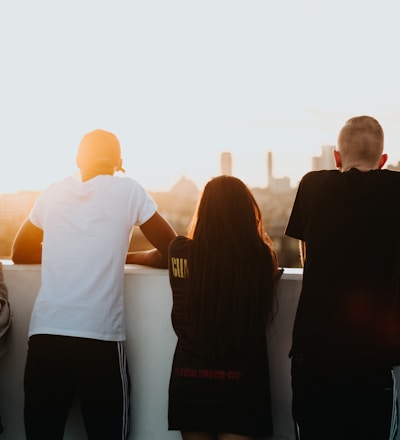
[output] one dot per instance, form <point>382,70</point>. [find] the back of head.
<point>227,214</point>
<point>99,152</point>
<point>361,140</point>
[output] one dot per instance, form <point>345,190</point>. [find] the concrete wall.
<point>150,345</point>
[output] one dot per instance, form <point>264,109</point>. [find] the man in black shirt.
<point>346,336</point>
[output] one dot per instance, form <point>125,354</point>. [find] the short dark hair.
<point>361,137</point>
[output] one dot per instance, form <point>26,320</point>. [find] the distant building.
<point>326,161</point>
<point>276,185</point>
<point>16,205</point>
<point>14,208</point>
<point>269,169</point>
<point>394,167</point>
<point>185,188</point>
<point>178,205</point>
<point>280,185</point>
<point>226,164</point>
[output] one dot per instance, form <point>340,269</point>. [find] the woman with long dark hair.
<point>223,278</point>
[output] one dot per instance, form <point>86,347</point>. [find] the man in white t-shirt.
<point>79,230</point>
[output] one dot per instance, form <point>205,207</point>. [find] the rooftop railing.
<point>150,346</point>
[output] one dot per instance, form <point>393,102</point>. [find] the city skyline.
<point>323,160</point>
<point>225,165</point>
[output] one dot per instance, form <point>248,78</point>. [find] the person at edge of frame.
<point>346,334</point>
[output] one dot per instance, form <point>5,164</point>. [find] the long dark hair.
<point>232,268</point>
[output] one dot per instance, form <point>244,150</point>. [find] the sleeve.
<point>147,206</point>
<point>296,225</point>
<point>35,215</point>
<point>178,278</point>
<point>178,262</point>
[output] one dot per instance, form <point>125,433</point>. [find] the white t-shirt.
<point>86,232</point>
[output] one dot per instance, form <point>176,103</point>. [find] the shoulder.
<point>320,176</point>
<point>128,182</point>
<point>388,181</point>
<point>179,244</point>
<point>60,184</point>
<point>390,174</point>
<point>317,180</point>
<point>130,187</point>
<point>180,241</point>
<point>54,191</point>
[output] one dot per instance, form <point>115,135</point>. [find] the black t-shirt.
<point>350,300</point>
<point>231,394</point>
<point>246,373</point>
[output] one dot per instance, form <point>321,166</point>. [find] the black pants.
<point>342,401</point>
<point>60,369</point>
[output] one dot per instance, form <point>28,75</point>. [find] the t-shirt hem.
<point>77,334</point>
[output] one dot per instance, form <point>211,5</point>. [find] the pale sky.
<point>181,81</point>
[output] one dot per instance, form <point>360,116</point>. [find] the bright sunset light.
<point>180,81</point>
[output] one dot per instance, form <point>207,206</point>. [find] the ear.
<point>382,161</point>
<point>119,167</point>
<point>338,159</point>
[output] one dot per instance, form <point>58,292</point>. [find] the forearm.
<point>34,256</point>
<point>152,257</point>
<point>27,245</point>
<point>302,250</point>
<point>22,253</point>
<point>159,233</point>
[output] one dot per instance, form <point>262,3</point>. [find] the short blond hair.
<point>361,139</point>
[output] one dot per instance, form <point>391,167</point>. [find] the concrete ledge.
<point>150,345</point>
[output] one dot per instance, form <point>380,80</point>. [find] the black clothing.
<point>333,401</point>
<point>59,369</point>
<point>230,394</point>
<point>350,300</point>
<point>346,335</point>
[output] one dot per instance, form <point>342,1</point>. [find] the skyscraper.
<point>326,160</point>
<point>226,163</point>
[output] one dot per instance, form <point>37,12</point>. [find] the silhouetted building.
<point>326,161</point>
<point>226,164</point>
<point>14,208</point>
<point>185,188</point>
<point>269,169</point>
<point>394,167</point>
<point>276,185</point>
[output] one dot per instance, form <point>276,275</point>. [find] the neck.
<point>364,169</point>
<point>87,175</point>
<point>358,165</point>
